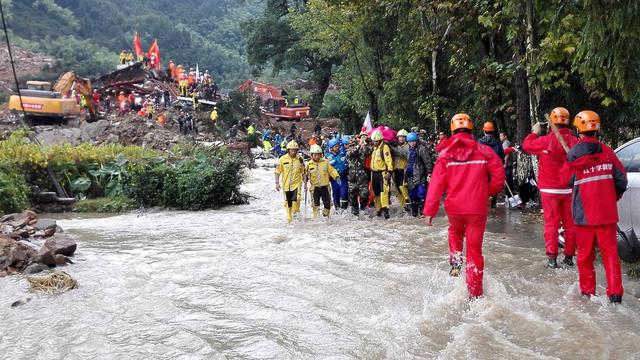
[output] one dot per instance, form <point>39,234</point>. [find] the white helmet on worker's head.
<point>315,149</point>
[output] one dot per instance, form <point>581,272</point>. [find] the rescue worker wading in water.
<point>555,195</point>
<point>400,156</point>
<point>599,180</point>
<point>291,168</point>
<point>381,170</point>
<point>319,173</point>
<point>469,173</point>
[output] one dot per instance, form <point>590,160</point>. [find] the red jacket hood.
<point>460,147</point>
<point>587,153</point>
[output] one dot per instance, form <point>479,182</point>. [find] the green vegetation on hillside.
<point>87,35</point>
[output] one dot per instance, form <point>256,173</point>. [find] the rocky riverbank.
<point>29,244</point>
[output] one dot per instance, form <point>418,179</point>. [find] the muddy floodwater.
<point>239,283</point>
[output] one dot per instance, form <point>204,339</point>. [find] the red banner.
<point>137,48</point>
<point>154,55</point>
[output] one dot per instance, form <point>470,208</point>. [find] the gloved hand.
<point>387,176</point>
<point>338,181</point>
<point>536,128</point>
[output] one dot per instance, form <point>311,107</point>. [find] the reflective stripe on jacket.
<point>599,180</point>
<point>552,158</point>
<point>469,173</point>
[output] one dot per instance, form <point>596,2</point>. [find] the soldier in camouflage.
<point>358,174</point>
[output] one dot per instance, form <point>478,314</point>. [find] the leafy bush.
<point>207,179</point>
<point>13,191</point>
<point>116,204</point>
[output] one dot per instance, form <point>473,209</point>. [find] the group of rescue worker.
<point>189,82</point>
<point>580,180</point>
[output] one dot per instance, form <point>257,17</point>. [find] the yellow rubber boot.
<point>376,201</point>
<point>404,198</point>
<point>289,212</point>
<point>325,212</point>
<point>316,211</point>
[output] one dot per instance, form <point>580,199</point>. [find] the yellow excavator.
<point>41,101</point>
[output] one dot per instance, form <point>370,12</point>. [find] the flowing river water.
<point>240,283</point>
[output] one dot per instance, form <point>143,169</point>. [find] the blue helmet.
<point>412,136</point>
<point>345,139</point>
<point>333,143</point>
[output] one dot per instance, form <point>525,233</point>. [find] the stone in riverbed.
<point>45,256</point>
<point>61,245</point>
<point>35,268</point>
<point>44,224</point>
<point>62,260</point>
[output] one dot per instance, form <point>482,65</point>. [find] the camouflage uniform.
<point>358,177</point>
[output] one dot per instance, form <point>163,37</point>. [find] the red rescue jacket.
<point>552,157</point>
<point>469,173</point>
<point>598,179</point>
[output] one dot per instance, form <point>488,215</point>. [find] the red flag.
<point>366,126</point>
<point>154,55</point>
<point>137,48</point>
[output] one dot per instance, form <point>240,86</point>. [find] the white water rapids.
<point>241,283</point>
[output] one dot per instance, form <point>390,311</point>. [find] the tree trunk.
<point>322,78</point>
<point>523,115</point>
<point>532,43</point>
<point>434,87</point>
<point>373,106</point>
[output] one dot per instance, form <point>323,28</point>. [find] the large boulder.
<point>47,226</point>
<point>61,245</point>
<point>45,256</point>
<point>90,131</point>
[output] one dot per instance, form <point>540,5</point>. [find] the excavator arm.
<point>69,81</point>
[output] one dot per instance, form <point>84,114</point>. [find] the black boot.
<point>385,212</point>
<point>355,210</point>
<point>552,263</point>
<point>615,299</point>
<point>414,208</point>
<point>363,203</point>
<point>379,213</point>
<point>568,260</point>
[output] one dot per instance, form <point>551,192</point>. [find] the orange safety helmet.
<point>461,121</point>
<point>559,116</point>
<point>488,127</point>
<point>587,121</point>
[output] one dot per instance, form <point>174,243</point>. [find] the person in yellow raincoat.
<point>381,170</point>
<point>319,172</point>
<point>400,155</point>
<point>214,116</point>
<point>291,169</point>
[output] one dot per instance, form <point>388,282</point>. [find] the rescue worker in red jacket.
<point>555,195</point>
<point>469,173</point>
<point>599,180</point>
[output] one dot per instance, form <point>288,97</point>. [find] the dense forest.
<point>87,35</point>
<point>405,61</point>
<point>418,62</point>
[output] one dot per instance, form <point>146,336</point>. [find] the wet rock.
<point>35,268</point>
<point>61,260</point>
<point>45,256</point>
<point>7,217</point>
<point>20,302</point>
<point>44,224</point>
<point>61,245</point>
<point>6,241</point>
